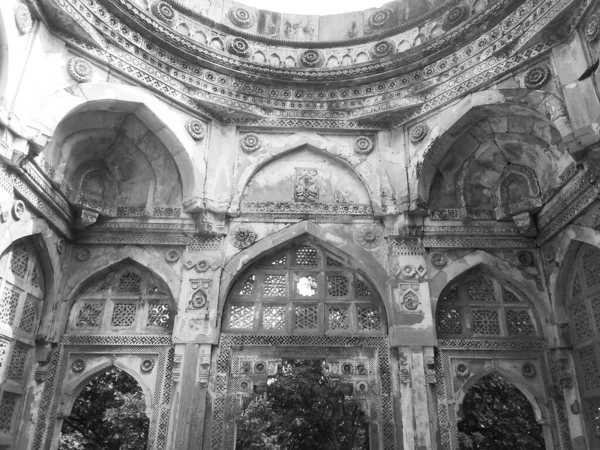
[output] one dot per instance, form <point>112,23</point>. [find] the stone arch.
<point>354,255</point>
<point>315,143</point>
<point>165,122</point>
<point>450,127</point>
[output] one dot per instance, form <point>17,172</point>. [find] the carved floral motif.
<point>410,301</point>
<point>418,133</point>
<point>163,12</point>
<point>172,255</point>
<point>242,237</point>
<point>241,17</point>
<point>250,142</point>
<point>439,260</point>
<point>306,187</point>
<point>370,236</point>
<point>78,365</point>
<point>528,370</point>
<point>311,58</point>
<point>147,365</point>
<point>80,69</point>
<point>525,259</point>
<point>455,16</point>
<point>536,77</point>
<point>463,370</point>
<point>23,18</point>
<point>363,145</point>
<point>239,47</point>
<point>380,18</point>
<point>382,49</point>
<point>198,300</point>
<point>195,128</point>
<point>592,28</point>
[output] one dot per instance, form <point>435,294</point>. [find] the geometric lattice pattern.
<point>518,322</point>
<point>337,286</point>
<point>248,287</point>
<point>306,256</point>
<point>124,314</point>
<point>89,315</point>
<point>338,318</point>
<point>306,318</point>
<point>580,321</point>
<point>8,305</point>
<point>280,260</point>
<point>34,278</point>
<point>593,412</point>
<point>480,288</point>
<point>273,317</point>
<point>451,295</point>
<point>130,283</point>
<point>158,315</point>
<point>591,266</point>
<point>369,318</point>
<point>7,409</point>
<point>448,321</point>
<point>333,263</point>
<point>509,297</point>
<point>241,316</point>
<point>595,303</point>
<point>17,363</point>
<point>18,261</point>
<point>485,322</point>
<point>576,286</point>
<point>362,289</point>
<point>275,285</point>
<point>589,366</point>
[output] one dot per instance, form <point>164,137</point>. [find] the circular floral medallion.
<point>78,365</point>
<point>18,209</point>
<point>242,237</point>
<point>410,301</point>
<point>537,76</point>
<point>195,128</point>
<point>525,259</point>
<point>463,370</point>
<point>173,255</point>
<point>363,145</point>
<point>439,259</point>
<point>362,387</point>
<point>80,69</point>
<point>361,369</point>
<point>418,133</point>
<point>163,12</point>
<point>455,16</point>
<point>347,369</point>
<point>408,271</point>
<point>250,142</point>
<point>370,236</point>
<point>83,254</point>
<point>311,58</point>
<point>147,365</point>
<point>260,367</point>
<point>198,300</point>
<point>202,265</point>
<point>382,49</point>
<point>61,246</point>
<point>380,18</point>
<point>23,18</point>
<point>246,385</point>
<point>528,370</point>
<point>241,17</point>
<point>592,28</point>
<point>238,47</point>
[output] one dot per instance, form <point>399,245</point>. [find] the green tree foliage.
<point>303,408</point>
<point>108,414</point>
<point>497,416</point>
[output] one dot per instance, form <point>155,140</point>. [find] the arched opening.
<point>496,415</point>
<point>108,414</point>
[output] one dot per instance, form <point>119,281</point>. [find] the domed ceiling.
<point>369,69</point>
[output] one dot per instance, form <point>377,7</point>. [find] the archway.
<point>496,415</point>
<point>108,414</point>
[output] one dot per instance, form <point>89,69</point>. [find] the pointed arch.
<point>344,156</point>
<point>353,255</point>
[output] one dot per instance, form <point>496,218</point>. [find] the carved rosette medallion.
<point>23,18</point>
<point>78,365</point>
<point>311,59</point>
<point>455,16</point>
<point>198,300</point>
<point>147,365</point>
<point>163,12</point>
<point>536,77</point>
<point>439,260</point>
<point>418,133</point>
<point>241,17</point>
<point>202,265</point>
<point>410,301</point>
<point>363,145</point>
<point>250,142</point>
<point>592,28</point>
<point>238,47</point>
<point>362,388</point>
<point>463,370</point>
<point>382,49</point>
<point>380,18</point>
<point>525,259</point>
<point>195,128</point>
<point>370,236</point>
<point>18,209</point>
<point>80,69</point>
<point>528,370</point>
<point>83,254</point>
<point>173,255</point>
<point>242,237</point>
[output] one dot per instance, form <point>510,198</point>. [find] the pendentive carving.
<point>250,142</point>
<point>592,28</point>
<point>536,77</point>
<point>241,17</point>
<point>382,49</point>
<point>238,47</point>
<point>439,260</point>
<point>78,365</point>
<point>306,188</point>
<point>380,18</point>
<point>147,365</point>
<point>243,236</point>
<point>80,69</point>
<point>163,12</point>
<point>418,133</point>
<point>311,59</point>
<point>23,18</point>
<point>363,145</point>
<point>195,128</point>
<point>463,370</point>
<point>370,236</point>
<point>528,370</point>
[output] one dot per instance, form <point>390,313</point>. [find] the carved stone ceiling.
<point>217,70</point>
